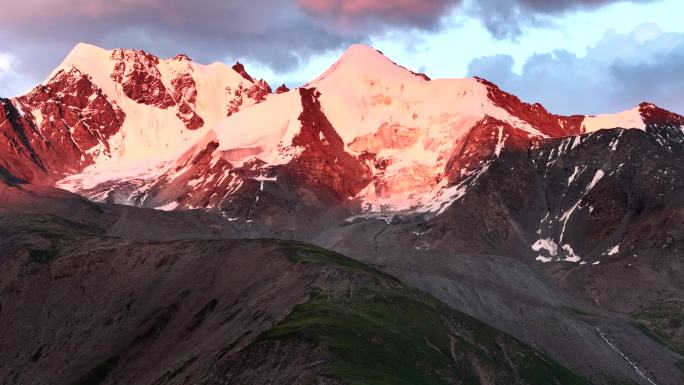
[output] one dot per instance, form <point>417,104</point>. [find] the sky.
<point>573,56</point>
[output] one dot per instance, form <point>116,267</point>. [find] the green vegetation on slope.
<point>45,235</point>
<point>305,252</point>
<point>43,255</point>
<point>663,323</point>
<point>386,333</point>
<point>50,226</point>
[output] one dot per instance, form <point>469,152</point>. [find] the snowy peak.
<point>640,117</point>
<point>176,83</point>
<point>409,128</point>
<point>123,112</point>
<point>85,57</point>
<point>360,63</point>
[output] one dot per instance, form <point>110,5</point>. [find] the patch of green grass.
<point>43,256</point>
<point>304,252</point>
<point>400,336</point>
<point>49,226</point>
<point>370,344</point>
<point>54,227</point>
<point>581,312</point>
<point>664,323</point>
<point>45,235</point>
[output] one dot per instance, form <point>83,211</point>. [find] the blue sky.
<point>573,56</point>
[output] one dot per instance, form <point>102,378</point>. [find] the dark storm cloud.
<point>618,73</point>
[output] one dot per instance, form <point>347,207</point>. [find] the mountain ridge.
<point>168,108</point>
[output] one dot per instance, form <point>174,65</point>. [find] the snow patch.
<point>597,177</point>
<point>546,244</point>
<point>575,141</point>
<point>500,142</point>
<point>614,142</point>
<point>573,176</point>
<point>168,207</point>
<point>551,248</point>
<point>570,254</point>
<point>38,117</point>
<point>626,119</point>
<point>566,216</point>
<point>97,174</point>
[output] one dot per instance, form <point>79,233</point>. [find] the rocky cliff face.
<point>58,128</point>
<point>137,73</point>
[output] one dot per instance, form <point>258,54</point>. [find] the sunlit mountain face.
<point>365,221</point>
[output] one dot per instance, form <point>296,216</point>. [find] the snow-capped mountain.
<point>128,127</point>
<point>118,113</point>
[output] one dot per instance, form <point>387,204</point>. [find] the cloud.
<point>274,32</point>
<point>279,34</point>
<point>6,61</point>
<point>617,73</point>
<point>375,14</point>
<point>505,19</point>
<point>10,79</point>
<point>659,81</point>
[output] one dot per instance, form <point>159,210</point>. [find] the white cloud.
<point>12,82</point>
<point>646,32</point>
<point>6,61</point>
